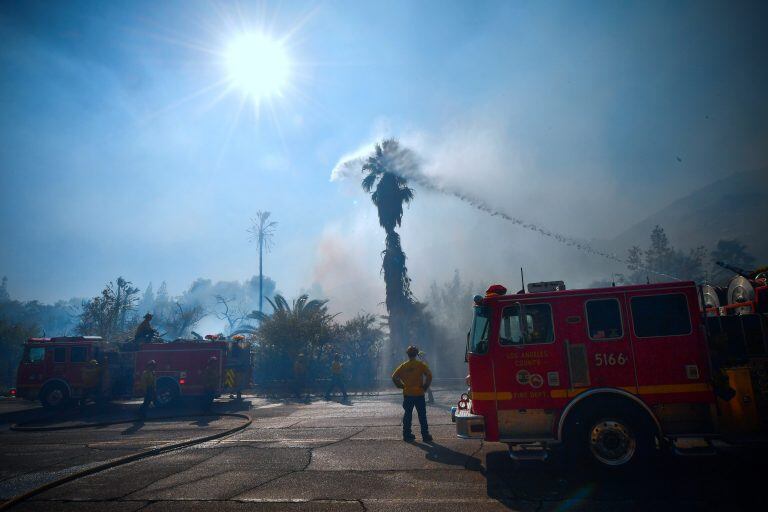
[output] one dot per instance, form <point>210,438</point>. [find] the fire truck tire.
<point>54,395</point>
<point>612,436</point>
<point>167,393</point>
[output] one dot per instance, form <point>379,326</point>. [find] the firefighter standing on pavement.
<point>148,385</point>
<point>91,377</point>
<point>211,381</point>
<point>414,378</point>
<point>337,378</point>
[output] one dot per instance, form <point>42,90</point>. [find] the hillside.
<point>734,207</point>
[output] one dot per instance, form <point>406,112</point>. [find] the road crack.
<point>309,462</point>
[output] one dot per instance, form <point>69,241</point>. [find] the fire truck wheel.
<point>54,396</point>
<point>617,440</point>
<point>167,393</point>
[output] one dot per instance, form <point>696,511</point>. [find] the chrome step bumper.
<point>468,425</point>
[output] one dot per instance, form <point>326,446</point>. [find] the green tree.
<point>359,342</point>
<point>110,315</point>
<point>450,304</point>
<point>302,327</point>
<point>389,193</point>
<point>178,319</point>
<point>662,262</point>
<point>4,295</point>
<point>175,317</point>
<point>12,338</point>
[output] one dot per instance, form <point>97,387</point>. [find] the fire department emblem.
<point>523,376</point>
<point>536,381</point>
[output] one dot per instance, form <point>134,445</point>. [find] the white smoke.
<point>440,166</point>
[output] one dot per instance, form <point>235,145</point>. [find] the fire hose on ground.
<point>123,460</point>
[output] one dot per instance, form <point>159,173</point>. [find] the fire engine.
<point>612,374</point>
<point>55,370</point>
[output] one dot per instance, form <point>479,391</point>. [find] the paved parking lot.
<point>333,456</point>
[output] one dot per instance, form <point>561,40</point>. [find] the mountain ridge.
<point>733,207</point>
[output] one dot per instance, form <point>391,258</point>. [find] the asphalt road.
<point>333,456</point>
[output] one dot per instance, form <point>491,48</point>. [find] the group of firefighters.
<point>413,376</point>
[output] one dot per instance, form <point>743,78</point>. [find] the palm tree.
<point>262,231</point>
<point>302,311</point>
<point>389,192</point>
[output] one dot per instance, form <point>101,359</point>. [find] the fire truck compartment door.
<point>603,334</point>
<point>670,349</point>
<point>526,424</point>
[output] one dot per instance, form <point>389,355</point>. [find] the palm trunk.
<point>261,274</point>
<point>398,299</point>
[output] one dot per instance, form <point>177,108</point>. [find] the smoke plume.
<point>409,165</point>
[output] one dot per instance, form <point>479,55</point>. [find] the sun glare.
<point>258,65</point>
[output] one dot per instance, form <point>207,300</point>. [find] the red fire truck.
<point>55,370</point>
<point>611,374</point>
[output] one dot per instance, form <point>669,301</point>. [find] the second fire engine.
<point>58,370</point>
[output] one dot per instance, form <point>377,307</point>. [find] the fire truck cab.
<point>608,373</point>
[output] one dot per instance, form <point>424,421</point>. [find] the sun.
<point>258,65</point>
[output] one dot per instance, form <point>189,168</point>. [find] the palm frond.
<point>282,304</point>
<point>274,306</point>
<point>299,304</point>
<point>406,195</point>
<point>369,181</point>
<point>315,304</point>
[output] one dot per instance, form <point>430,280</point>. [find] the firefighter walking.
<point>148,385</point>
<point>337,378</point>
<point>414,378</point>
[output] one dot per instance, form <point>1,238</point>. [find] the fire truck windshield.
<point>480,324</point>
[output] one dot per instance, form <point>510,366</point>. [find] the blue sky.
<point>611,108</point>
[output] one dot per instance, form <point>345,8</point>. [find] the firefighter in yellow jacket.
<point>148,386</point>
<point>91,376</point>
<point>337,378</point>
<point>414,378</point>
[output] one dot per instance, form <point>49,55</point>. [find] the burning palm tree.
<point>389,192</point>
